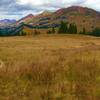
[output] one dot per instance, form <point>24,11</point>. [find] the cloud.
<point>94,4</point>
<point>48,4</point>
<point>20,8</point>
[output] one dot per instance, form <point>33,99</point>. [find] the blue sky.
<point>15,9</point>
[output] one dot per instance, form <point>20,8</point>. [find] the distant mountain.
<point>26,19</point>
<point>31,19</point>
<point>37,19</point>
<point>43,14</point>
<point>83,17</point>
<point>78,10</point>
<point>6,22</point>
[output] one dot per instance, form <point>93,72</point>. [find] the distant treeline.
<point>66,28</point>
<point>63,28</point>
<point>11,31</point>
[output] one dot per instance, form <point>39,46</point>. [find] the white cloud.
<point>33,2</point>
<point>21,8</point>
<point>95,4</point>
<point>48,4</point>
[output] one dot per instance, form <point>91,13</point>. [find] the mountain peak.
<point>44,13</point>
<point>5,22</point>
<point>29,15</point>
<point>78,10</point>
<point>73,14</point>
<point>26,18</point>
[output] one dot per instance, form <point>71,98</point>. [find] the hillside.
<point>26,19</point>
<point>82,17</point>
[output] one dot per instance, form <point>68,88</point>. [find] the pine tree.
<point>72,28</point>
<point>84,31</point>
<point>75,28</point>
<point>63,27</point>
<point>53,30</point>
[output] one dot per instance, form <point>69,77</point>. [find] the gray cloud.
<point>13,8</point>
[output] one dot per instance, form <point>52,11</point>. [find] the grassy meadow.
<point>50,67</point>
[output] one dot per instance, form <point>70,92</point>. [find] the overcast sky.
<point>15,9</point>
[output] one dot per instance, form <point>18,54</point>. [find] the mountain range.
<point>83,17</point>
<point>5,22</point>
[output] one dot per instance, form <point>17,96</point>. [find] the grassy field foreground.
<point>55,67</point>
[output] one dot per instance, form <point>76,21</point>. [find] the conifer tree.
<point>72,28</point>
<point>63,27</point>
<point>84,31</point>
<point>75,28</point>
<point>53,30</point>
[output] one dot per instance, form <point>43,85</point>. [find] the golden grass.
<point>50,67</point>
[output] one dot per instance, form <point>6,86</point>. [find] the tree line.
<point>66,28</point>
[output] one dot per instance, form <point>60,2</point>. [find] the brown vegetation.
<point>55,67</point>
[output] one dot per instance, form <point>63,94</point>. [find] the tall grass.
<point>45,72</point>
<point>72,77</point>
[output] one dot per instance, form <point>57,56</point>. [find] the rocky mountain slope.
<point>83,17</point>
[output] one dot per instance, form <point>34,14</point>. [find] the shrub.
<point>36,32</point>
<point>49,32</point>
<point>96,32</point>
